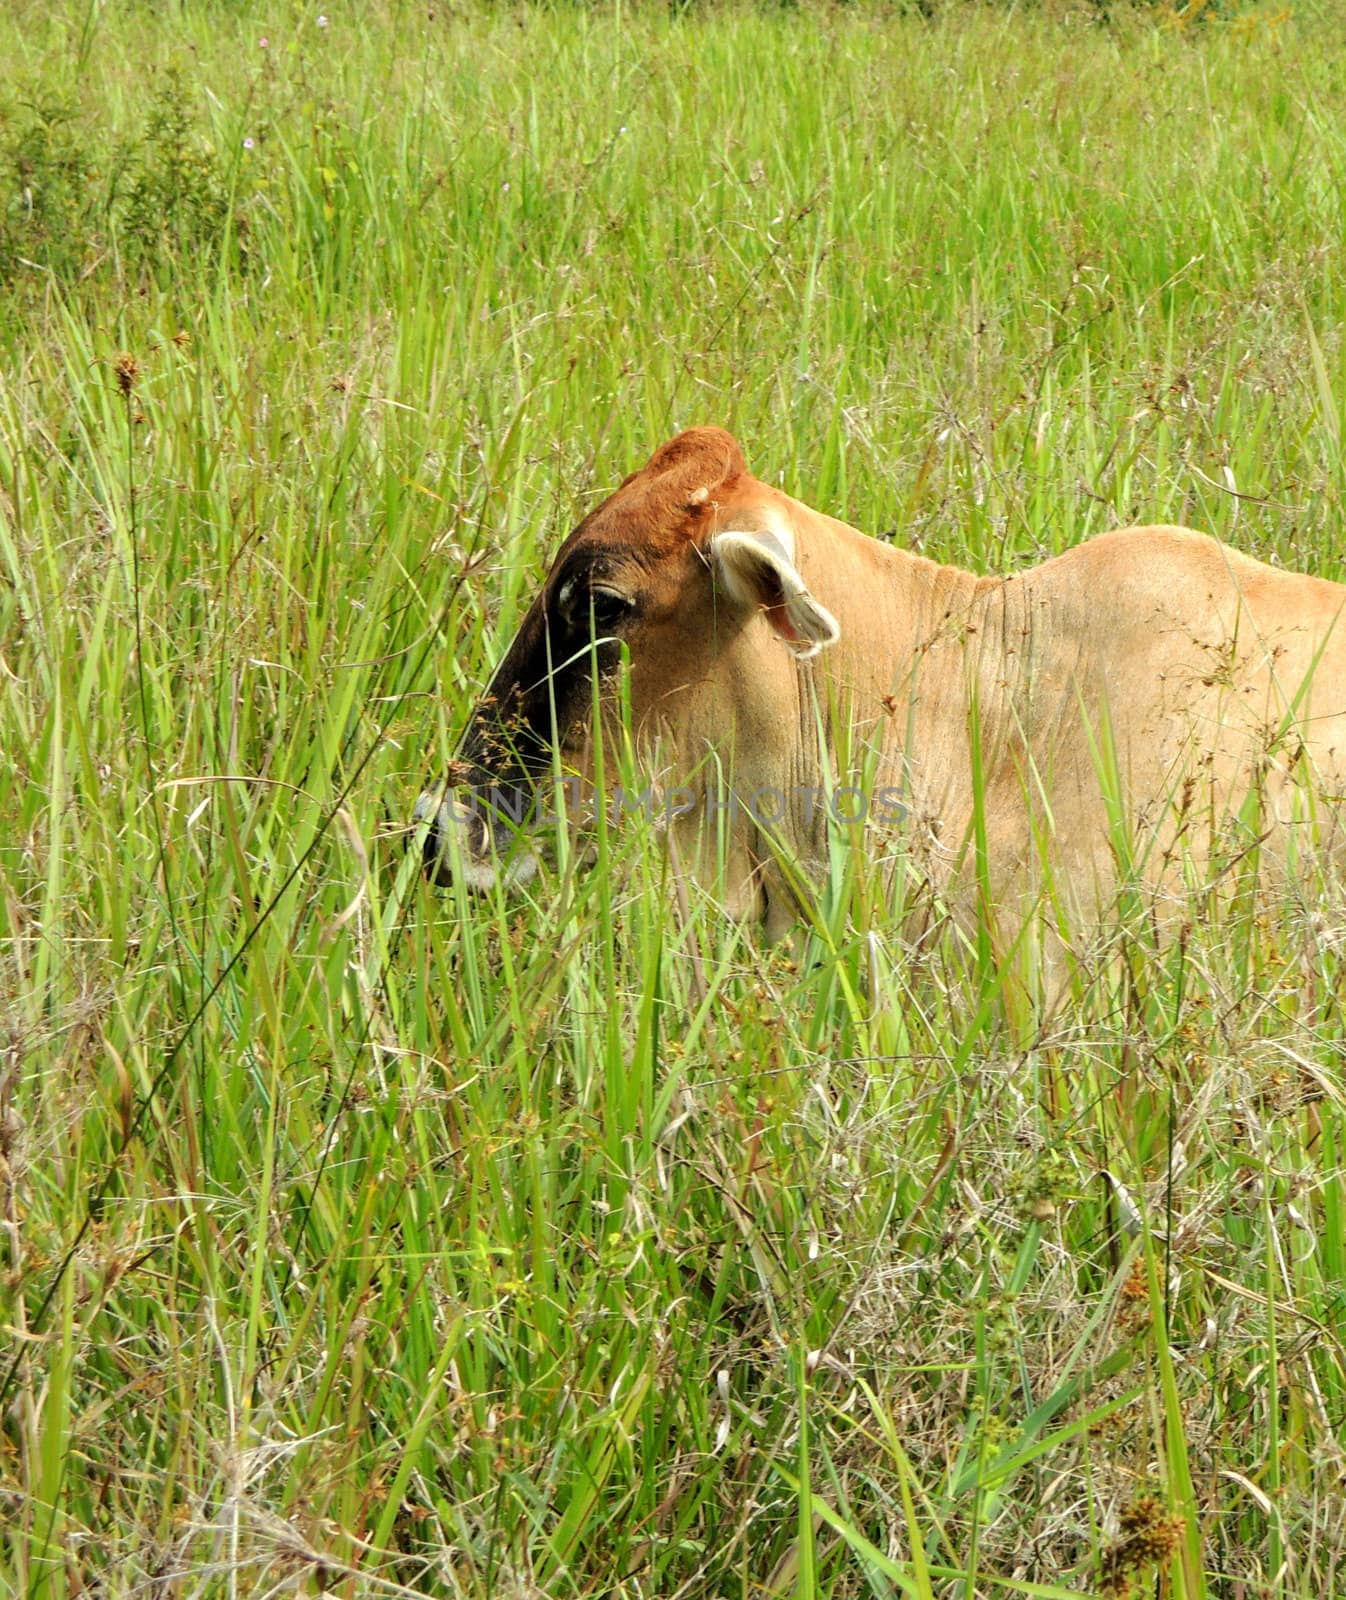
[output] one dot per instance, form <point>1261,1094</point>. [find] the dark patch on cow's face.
<point>539,699</point>
<point>543,689</point>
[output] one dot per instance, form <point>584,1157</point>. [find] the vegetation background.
<point>364,1238</point>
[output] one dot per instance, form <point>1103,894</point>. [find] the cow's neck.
<point>916,637</point>
<point>898,610</point>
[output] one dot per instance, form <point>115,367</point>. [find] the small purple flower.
<point>248,144</point>
<point>262,43</point>
<point>322,22</point>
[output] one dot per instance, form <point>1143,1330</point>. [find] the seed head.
<point>1151,1534</point>
<point>127,370</point>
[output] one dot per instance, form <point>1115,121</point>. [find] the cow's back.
<point>1166,681</point>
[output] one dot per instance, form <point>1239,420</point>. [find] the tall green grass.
<point>369,1238</point>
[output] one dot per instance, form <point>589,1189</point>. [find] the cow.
<point>1147,705</point>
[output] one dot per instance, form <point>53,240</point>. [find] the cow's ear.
<point>757,570</point>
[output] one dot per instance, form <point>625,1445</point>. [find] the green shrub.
<point>49,212</point>
<point>76,201</point>
<point>176,201</point>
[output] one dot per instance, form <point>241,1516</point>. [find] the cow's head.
<point>695,568</point>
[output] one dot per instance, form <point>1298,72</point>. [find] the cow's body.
<point>1133,696</point>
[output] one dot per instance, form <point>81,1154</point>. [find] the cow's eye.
<point>609,607</point>
<point>580,599</point>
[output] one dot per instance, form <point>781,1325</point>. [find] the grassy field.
<point>366,1238</point>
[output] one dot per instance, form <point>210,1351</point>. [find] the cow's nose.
<point>458,842</point>
<point>434,856</point>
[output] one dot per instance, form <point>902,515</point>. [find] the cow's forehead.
<point>700,456</point>
<point>671,500</point>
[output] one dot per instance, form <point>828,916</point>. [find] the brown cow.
<point>1151,680</point>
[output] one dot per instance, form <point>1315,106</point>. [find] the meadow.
<point>367,1238</point>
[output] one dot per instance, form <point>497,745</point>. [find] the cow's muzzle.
<point>474,838</point>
